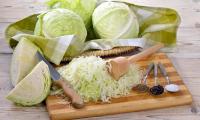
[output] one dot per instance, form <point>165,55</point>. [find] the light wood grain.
<point>186,60</point>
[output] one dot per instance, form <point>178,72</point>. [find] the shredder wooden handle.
<point>145,53</point>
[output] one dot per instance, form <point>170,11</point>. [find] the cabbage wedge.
<point>23,60</point>
<point>34,88</point>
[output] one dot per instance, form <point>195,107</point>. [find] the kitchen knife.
<point>76,99</point>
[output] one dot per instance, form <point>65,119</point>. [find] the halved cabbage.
<point>114,20</point>
<point>34,88</point>
<point>23,60</point>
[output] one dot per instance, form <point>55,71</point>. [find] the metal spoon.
<point>169,87</point>
<point>142,87</point>
<point>156,89</point>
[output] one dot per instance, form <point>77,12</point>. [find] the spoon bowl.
<point>169,87</point>
<point>142,88</point>
<point>172,88</point>
<point>157,90</point>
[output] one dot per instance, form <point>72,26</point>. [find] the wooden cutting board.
<point>58,108</point>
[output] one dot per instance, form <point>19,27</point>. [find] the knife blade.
<point>76,99</point>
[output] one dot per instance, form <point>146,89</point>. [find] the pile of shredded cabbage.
<point>90,78</point>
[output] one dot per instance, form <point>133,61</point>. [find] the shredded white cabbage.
<point>89,76</point>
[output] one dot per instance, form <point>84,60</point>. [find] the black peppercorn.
<point>157,90</point>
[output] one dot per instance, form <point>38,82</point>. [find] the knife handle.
<point>76,99</point>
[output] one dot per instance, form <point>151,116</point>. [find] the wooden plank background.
<point>186,60</point>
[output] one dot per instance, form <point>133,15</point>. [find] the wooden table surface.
<point>186,60</point>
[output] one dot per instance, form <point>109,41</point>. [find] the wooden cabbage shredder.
<point>120,65</point>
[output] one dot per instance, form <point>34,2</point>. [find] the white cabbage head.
<point>84,8</point>
<point>113,20</point>
<point>60,22</point>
